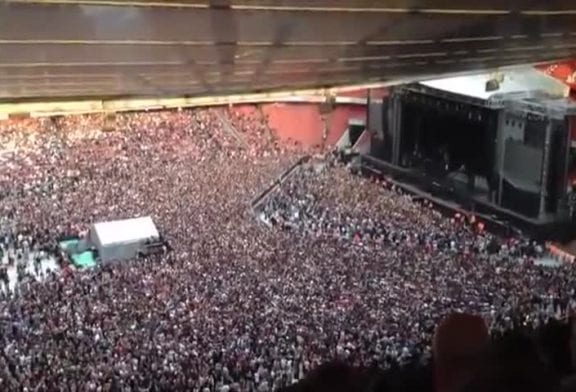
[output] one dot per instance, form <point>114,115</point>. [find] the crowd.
<point>350,268</point>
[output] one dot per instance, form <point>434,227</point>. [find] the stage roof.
<point>114,48</point>
<point>520,80</point>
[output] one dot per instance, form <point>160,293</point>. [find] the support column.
<point>500,153</point>
<point>396,128</point>
<point>326,109</point>
<point>565,208</point>
<point>326,124</point>
<point>545,170</point>
<point>368,114</point>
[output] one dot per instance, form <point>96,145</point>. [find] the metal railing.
<point>259,200</point>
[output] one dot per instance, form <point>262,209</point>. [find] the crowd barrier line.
<point>264,195</point>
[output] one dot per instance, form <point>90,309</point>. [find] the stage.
<point>452,200</point>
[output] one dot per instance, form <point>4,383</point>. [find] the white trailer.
<point>123,239</point>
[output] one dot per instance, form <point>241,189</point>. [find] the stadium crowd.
<point>350,268</point>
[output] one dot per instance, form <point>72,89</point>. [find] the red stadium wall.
<point>363,93</point>
<point>339,120</point>
<point>295,121</point>
<point>302,122</point>
<point>565,72</point>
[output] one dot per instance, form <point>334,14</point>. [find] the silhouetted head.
<point>512,364</point>
<point>329,377</point>
<point>458,344</point>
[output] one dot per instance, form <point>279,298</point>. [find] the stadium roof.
<point>124,48</point>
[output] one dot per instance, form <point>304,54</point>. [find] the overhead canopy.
<point>113,48</point>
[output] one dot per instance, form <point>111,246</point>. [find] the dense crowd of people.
<point>347,268</point>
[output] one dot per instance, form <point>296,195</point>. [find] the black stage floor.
<point>452,201</point>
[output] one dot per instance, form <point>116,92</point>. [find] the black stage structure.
<point>506,157</point>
